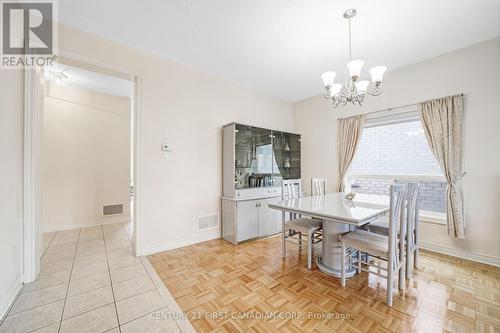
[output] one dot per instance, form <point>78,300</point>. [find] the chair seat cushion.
<point>303,225</point>
<point>366,241</point>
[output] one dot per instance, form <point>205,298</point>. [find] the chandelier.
<point>355,90</point>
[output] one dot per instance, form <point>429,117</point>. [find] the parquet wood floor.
<point>249,288</point>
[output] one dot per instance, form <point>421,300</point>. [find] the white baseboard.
<point>9,296</point>
<point>87,223</point>
<point>197,238</point>
<point>454,252</point>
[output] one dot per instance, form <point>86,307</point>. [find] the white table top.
<point>333,206</point>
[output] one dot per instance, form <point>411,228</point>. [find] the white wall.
<point>85,157</point>
<point>11,185</point>
<point>474,71</point>
<point>189,109</point>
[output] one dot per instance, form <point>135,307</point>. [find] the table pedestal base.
<point>349,272</point>
<point>330,261</point>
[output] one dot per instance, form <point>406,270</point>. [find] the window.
<point>398,152</point>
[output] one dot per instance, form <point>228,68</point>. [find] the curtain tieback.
<point>459,178</point>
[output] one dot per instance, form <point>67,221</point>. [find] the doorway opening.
<point>82,151</point>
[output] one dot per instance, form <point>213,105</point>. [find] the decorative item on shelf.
<point>287,162</point>
<point>287,147</point>
<point>350,195</point>
<point>354,91</point>
<point>240,179</point>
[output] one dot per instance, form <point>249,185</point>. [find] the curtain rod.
<point>394,108</point>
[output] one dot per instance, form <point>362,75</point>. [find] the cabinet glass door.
<point>286,148</point>
<point>253,157</point>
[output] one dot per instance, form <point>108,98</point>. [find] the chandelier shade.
<point>377,73</point>
<point>328,78</point>
<point>361,86</point>
<point>335,89</point>
<point>355,67</point>
<point>355,90</point>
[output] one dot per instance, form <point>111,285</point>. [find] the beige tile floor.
<point>90,281</point>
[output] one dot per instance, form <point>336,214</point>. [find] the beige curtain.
<point>442,120</point>
<point>349,134</point>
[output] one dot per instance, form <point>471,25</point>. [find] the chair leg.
<point>408,263</point>
<point>300,241</point>
<point>342,265</point>
<point>310,235</point>
<point>283,236</point>
<point>401,276</point>
<point>358,269</point>
<point>390,277</point>
<point>415,257</point>
<point>401,270</point>
<point>416,253</point>
<point>408,254</point>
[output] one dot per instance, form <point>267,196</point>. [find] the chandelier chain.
<point>350,45</point>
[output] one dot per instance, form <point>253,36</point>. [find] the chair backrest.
<point>412,212</point>
<point>318,186</point>
<point>291,189</point>
<point>396,216</point>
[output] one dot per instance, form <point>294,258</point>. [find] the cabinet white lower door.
<point>248,220</point>
<point>267,219</point>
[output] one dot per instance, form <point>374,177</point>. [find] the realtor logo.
<point>28,33</point>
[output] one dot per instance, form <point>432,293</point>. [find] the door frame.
<point>33,121</point>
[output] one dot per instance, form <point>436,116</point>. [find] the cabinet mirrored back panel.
<point>255,160</point>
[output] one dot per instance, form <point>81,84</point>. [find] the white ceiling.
<point>82,78</point>
<point>280,47</point>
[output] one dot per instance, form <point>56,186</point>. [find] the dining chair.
<point>381,226</point>
<point>295,229</point>
<point>318,186</point>
<point>387,248</point>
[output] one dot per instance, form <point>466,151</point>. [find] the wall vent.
<point>112,210</point>
<point>208,222</point>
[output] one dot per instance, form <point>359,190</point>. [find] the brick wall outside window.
<point>397,149</point>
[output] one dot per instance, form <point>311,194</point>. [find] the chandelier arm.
<point>374,93</point>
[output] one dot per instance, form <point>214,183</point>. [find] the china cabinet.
<point>255,161</point>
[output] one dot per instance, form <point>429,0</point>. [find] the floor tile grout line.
<point>111,281</point>
<point>59,321</point>
<point>142,292</point>
<point>69,281</point>
<point>67,284</point>
<point>50,243</point>
<point>19,294</point>
<point>156,310</point>
<point>35,307</point>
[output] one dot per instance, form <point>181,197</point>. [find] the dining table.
<point>339,215</point>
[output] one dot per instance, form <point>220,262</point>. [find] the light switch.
<point>166,148</point>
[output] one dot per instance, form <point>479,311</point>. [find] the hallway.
<point>90,281</point>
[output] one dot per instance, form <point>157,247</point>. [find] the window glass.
<point>395,149</point>
<point>388,153</point>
